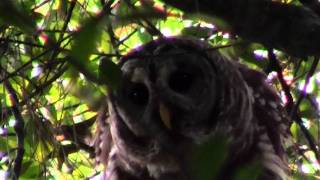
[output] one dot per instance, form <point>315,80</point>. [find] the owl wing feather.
<point>272,125</point>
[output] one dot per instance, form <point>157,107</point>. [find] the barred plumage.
<point>175,96</point>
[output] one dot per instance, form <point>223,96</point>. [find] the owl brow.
<point>152,72</point>
<point>149,55</point>
<point>155,55</point>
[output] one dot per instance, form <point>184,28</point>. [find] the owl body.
<point>179,99</point>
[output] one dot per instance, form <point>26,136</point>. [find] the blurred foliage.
<point>59,57</point>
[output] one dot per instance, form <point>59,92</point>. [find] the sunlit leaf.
<point>84,45</point>
<point>31,169</point>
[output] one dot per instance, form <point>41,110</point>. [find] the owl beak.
<point>165,115</point>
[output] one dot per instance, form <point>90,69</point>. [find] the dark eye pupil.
<point>138,94</point>
<point>181,81</point>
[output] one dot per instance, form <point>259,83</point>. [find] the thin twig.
<point>274,63</point>
<point>7,76</point>
<point>39,5</point>
<point>294,111</point>
<point>60,48</point>
<point>291,107</point>
<point>149,26</point>
<point>303,93</point>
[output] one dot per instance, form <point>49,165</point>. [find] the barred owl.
<point>176,95</point>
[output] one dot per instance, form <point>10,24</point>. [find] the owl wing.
<point>103,140</point>
<point>273,125</point>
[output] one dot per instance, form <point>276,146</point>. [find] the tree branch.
<point>77,132</point>
<point>294,29</point>
<point>19,129</point>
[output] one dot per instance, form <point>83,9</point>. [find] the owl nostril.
<point>181,81</point>
<point>139,94</point>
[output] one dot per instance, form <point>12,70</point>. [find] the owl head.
<point>173,91</point>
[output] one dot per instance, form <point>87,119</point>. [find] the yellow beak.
<point>165,115</point>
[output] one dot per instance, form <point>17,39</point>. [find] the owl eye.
<point>138,94</point>
<point>181,81</point>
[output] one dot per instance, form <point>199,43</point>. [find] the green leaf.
<point>85,40</point>
<point>307,111</point>
<point>30,170</point>
<point>84,45</point>
<point>208,159</point>
<point>251,172</point>
<point>199,32</point>
<point>109,73</point>
<point>12,15</point>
